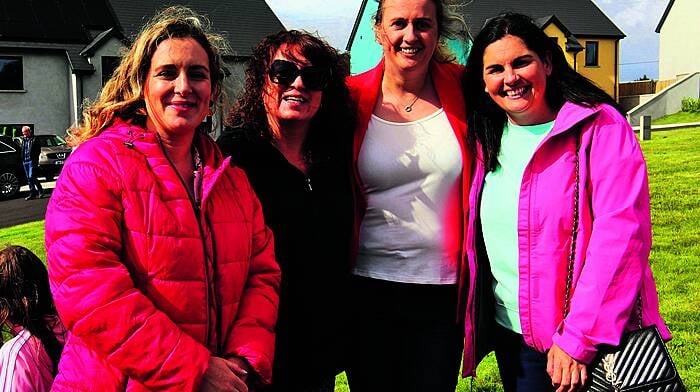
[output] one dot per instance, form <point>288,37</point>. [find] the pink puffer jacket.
<point>148,286</point>
<point>611,263</point>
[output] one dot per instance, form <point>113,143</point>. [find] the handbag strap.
<point>574,226</point>
<point>574,236</point>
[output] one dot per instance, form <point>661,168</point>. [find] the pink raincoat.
<point>614,238</point>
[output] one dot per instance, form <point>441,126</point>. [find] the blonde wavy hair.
<point>451,26</point>
<point>122,95</point>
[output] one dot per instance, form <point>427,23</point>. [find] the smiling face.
<point>408,33</point>
<point>178,90</point>
<point>516,79</point>
<point>293,102</point>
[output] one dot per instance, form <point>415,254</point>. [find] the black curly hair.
<point>334,119</point>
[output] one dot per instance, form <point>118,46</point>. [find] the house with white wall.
<point>55,55</point>
<point>678,39</point>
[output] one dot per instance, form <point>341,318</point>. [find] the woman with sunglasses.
<point>412,172</point>
<point>290,132</point>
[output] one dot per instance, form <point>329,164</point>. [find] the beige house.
<point>595,57</point>
<point>679,43</point>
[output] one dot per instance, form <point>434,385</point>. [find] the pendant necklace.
<point>409,108</point>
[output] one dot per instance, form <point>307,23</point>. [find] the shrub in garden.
<point>691,105</point>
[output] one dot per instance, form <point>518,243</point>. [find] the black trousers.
<point>404,337</point>
<point>522,368</point>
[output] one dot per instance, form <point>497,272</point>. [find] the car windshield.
<point>51,140</point>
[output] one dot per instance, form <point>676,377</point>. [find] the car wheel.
<point>9,184</point>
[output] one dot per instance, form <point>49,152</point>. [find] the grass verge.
<point>677,118</point>
<point>30,235</point>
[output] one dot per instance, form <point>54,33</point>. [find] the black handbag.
<point>641,362</point>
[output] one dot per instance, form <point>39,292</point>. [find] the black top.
<point>311,218</point>
<point>34,146</point>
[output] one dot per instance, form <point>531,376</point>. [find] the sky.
<point>639,51</point>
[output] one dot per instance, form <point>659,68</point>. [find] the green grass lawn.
<point>29,235</point>
<point>677,118</point>
<point>673,158</point>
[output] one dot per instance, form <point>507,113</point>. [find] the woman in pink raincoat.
<point>539,127</point>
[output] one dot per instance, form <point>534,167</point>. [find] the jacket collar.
<point>366,93</point>
<point>570,115</point>
<point>148,144</point>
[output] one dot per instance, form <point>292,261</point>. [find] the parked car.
<point>11,170</point>
<point>54,152</point>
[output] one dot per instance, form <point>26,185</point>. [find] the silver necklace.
<point>409,108</point>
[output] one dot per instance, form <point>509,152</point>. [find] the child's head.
<point>25,297</point>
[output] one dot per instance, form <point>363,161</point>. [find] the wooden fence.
<point>662,84</point>
<point>643,87</point>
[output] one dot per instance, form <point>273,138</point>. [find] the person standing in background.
<point>31,148</point>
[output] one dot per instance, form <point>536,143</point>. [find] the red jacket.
<point>147,286</point>
<point>447,80</point>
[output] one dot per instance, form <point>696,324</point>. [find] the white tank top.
<point>411,175</point>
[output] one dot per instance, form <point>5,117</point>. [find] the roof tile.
<point>581,17</point>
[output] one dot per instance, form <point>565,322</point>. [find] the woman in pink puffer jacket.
<point>160,264</point>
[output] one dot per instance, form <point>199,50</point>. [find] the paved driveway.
<point>17,211</point>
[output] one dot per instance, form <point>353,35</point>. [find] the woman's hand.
<point>240,366</point>
<point>567,374</point>
<point>221,376</point>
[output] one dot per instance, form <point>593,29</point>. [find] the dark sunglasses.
<point>285,72</point>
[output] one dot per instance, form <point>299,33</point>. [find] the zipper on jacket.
<point>196,209</point>
<point>308,184</point>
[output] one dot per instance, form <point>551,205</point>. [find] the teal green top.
<point>499,215</point>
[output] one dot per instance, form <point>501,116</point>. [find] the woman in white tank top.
<point>411,167</point>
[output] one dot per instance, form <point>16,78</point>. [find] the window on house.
<point>591,53</point>
<point>11,75</point>
<point>109,64</point>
